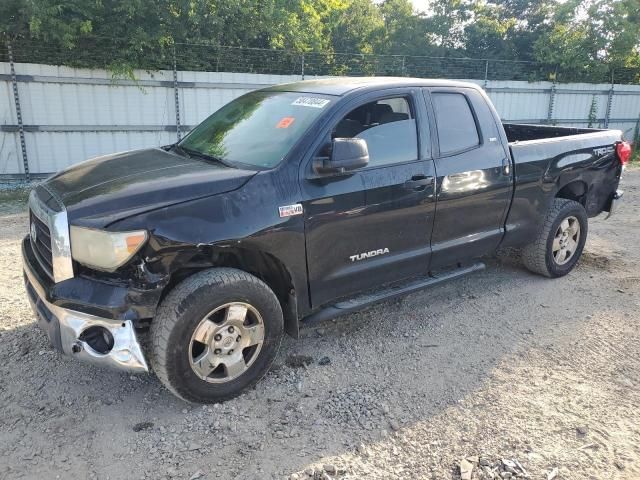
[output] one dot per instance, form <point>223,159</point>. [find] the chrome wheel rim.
<point>565,242</point>
<point>226,342</point>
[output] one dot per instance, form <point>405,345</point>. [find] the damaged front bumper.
<point>102,341</point>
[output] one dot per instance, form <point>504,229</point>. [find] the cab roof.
<point>344,85</point>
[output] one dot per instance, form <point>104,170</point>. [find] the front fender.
<point>192,235</point>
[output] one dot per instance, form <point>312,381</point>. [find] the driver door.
<point>373,225</point>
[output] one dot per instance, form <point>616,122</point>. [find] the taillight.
<point>623,149</point>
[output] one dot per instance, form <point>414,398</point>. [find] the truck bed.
<point>524,132</point>
<point>547,159</point>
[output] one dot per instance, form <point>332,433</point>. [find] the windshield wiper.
<point>195,153</point>
<point>181,151</point>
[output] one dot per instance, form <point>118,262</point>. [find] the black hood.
<point>106,189</point>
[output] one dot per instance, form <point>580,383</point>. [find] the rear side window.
<point>456,126</point>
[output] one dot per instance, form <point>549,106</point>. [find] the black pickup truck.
<point>297,203</point>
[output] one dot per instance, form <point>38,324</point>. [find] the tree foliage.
<point>581,38</point>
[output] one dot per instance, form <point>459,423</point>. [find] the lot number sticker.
<point>312,102</point>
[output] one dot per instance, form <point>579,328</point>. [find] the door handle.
<point>418,182</point>
<point>506,166</point>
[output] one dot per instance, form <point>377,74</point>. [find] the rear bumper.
<point>68,329</point>
<point>616,200</point>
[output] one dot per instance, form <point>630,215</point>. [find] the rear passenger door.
<point>474,178</point>
<point>372,226</point>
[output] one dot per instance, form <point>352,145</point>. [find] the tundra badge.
<point>372,253</point>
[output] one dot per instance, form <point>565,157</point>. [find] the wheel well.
<point>262,265</point>
<point>266,267</point>
<point>576,191</point>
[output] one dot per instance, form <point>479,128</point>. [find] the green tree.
<point>445,22</point>
<point>404,31</point>
<point>585,38</point>
<point>356,28</point>
<point>14,18</point>
<point>589,38</point>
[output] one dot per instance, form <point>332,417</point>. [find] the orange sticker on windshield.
<point>285,122</point>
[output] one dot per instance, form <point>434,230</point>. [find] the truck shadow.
<point>344,383</point>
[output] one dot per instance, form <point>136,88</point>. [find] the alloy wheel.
<point>226,342</point>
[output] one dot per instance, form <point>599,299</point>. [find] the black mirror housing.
<point>346,154</point>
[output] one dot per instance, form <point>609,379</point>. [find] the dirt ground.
<point>499,365</point>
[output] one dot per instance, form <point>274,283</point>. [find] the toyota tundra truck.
<point>298,203</point>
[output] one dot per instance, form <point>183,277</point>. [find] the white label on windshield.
<point>312,102</point>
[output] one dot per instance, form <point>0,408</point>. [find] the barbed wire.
<point>119,56</point>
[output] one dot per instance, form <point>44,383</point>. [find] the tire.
<point>542,255</point>
<point>191,334</point>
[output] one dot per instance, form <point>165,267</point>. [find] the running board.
<point>397,290</point>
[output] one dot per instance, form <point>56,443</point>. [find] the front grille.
<point>41,245</point>
<point>50,239</point>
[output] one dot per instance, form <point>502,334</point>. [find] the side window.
<point>388,126</point>
<point>456,126</point>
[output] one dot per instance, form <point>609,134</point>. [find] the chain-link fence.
<point>135,98</point>
<point>118,56</point>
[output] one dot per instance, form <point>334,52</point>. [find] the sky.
<point>420,5</point>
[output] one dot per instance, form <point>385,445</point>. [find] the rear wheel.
<point>560,241</point>
<point>216,334</point>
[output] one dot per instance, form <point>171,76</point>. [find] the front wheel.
<point>216,334</point>
<point>560,241</point>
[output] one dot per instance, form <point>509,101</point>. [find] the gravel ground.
<point>497,374</point>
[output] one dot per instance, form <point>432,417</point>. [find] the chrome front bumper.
<point>65,328</point>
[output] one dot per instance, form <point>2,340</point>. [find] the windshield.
<point>257,129</point>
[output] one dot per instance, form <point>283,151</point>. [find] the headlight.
<point>104,250</point>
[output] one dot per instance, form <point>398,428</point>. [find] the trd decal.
<point>602,151</point>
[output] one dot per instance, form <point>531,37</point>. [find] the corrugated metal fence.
<point>57,116</point>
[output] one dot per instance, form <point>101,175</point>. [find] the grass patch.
<point>13,198</point>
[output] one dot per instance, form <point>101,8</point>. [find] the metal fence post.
<point>176,93</point>
<point>404,66</point>
<point>486,74</point>
<point>16,99</point>
<point>552,102</point>
<point>607,115</point>
<point>302,65</point>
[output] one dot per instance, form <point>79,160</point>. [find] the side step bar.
<point>397,290</point>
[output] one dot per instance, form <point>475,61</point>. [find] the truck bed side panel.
<point>584,167</point>
<point>523,132</point>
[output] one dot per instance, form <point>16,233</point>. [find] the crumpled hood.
<point>106,189</point>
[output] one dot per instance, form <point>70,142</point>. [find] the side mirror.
<point>346,154</point>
